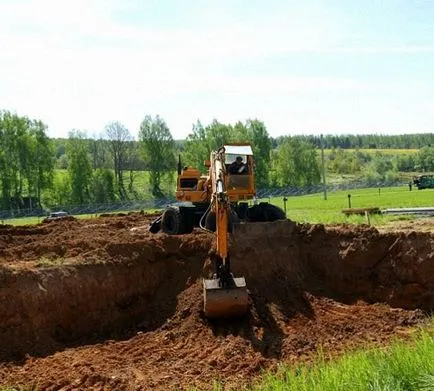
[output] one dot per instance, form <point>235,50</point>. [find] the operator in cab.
<point>238,166</point>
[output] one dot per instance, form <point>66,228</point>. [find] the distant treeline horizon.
<point>343,141</point>
<point>36,170</point>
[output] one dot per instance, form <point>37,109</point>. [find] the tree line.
<point>26,161</point>
<point>38,171</point>
<point>367,141</point>
<point>381,165</point>
<point>156,152</point>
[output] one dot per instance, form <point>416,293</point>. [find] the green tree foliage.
<point>134,164</point>
<point>203,140</point>
<point>62,162</point>
<point>158,150</point>
<point>341,161</point>
<point>241,133</point>
<point>60,194</point>
<point>99,150</point>
<point>79,168</point>
<point>102,188</point>
<point>118,140</point>
<point>296,164</point>
<point>43,170</point>
<point>382,164</point>
<point>406,163</point>
<point>380,169</point>
<point>425,159</point>
<point>26,161</point>
<point>261,142</point>
<point>371,141</point>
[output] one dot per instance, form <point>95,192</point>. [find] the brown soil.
<point>421,224</point>
<point>103,304</point>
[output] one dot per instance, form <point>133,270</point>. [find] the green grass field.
<point>404,366</point>
<point>314,209</point>
<point>141,182</point>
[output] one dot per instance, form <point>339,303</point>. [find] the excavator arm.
<point>221,206</point>
<point>224,295</point>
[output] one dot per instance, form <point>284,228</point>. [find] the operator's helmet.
<point>239,159</point>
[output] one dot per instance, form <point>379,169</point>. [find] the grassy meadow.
<point>313,208</point>
<point>140,182</point>
<point>403,366</point>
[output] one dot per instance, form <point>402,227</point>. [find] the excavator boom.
<point>224,295</point>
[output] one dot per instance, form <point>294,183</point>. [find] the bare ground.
<point>102,304</point>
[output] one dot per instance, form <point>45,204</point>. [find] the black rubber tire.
<point>233,219</point>
<point>265,212</point>
<point>256,213</point>
<point>172,222</point>
<point>241,210</point>
<point>211,223</point>
<point>273,213</point>
<point>188,225</point>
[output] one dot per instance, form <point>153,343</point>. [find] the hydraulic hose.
<point>202,219</point>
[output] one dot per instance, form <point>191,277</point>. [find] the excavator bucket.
<point>225,302</point>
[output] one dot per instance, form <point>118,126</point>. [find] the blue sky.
<point>300,66</point>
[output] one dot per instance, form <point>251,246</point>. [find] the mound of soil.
<point>103,304</point>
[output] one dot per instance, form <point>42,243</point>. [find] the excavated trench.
<point>45,309</point>
<point>309,285</point>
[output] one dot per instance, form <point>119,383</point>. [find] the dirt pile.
<point>132,301</point>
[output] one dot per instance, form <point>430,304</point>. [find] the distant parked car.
<point>56,215</point>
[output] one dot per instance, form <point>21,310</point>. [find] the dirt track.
<point>103,304</point>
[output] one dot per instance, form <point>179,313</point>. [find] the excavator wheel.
<point>273,213</point>
<point>210,221</point>
<point>255,213</point>
<point>265,212</point>
<point>174,222</point>
<point>241,210</point>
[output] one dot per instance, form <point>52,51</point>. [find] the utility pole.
<point>323,168</point>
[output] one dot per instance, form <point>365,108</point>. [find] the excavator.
<point>215,203</point>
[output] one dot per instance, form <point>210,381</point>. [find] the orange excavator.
<point>216,203</point>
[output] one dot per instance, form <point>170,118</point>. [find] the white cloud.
<point>72,65</point>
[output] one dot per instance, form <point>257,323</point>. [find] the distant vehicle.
<point>56,215</point>
<point>424,181</point>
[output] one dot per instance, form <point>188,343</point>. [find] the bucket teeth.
<point>225,302</point>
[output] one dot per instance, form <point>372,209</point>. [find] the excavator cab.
<point>239,169</point>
